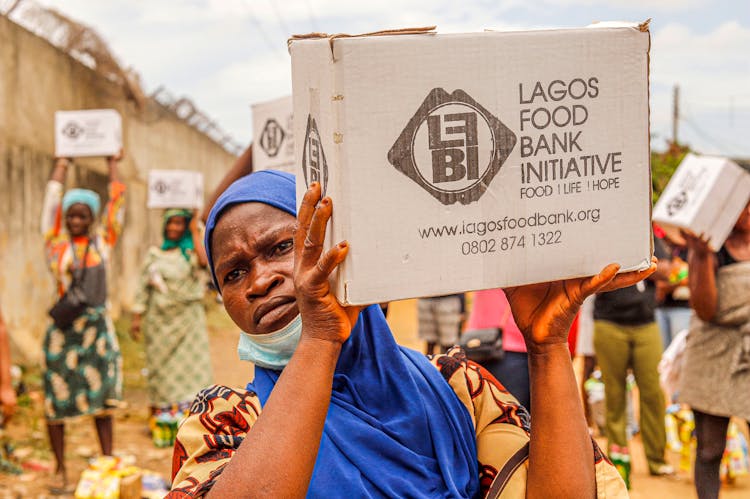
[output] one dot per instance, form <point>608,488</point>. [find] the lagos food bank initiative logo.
<point>452,147</point>
<point>72,130</point>
<point>677,203</point>
<point>314,163</point>
<point>272,137</point>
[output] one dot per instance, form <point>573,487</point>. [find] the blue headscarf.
<point>83,196</point>
<point>395,428</point>
<point>185,242</point>
<point>270,187</point>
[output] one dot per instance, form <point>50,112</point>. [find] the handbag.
<point>485,344</point>
<point>73,303</point>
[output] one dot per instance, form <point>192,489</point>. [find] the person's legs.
<point>56,432</point>
<point>613,352</point>
<point>104,430</point>
<point>711,433</point>
<point>665,328</point>
<point>427,325</point>
<point>647,352</point>
<point>448,319</point>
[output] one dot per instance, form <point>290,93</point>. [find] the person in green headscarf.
<point>169,313</point>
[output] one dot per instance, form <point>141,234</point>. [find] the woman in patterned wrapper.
<point>169,310</point>
<point>337,409</point>
<point>82,362</point>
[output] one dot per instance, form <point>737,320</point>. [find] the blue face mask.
<point>272,350</point>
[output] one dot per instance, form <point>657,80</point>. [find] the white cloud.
<point>661,5</point>
<point>226,54</point>
<point>713,71</point>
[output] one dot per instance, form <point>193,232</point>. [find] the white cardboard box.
<point>473,161</point>
<point>93,132</point>
<point>175,189</point>
<point>705,195</point>
<point>273,135</point>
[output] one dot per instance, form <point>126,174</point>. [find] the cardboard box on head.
<point>93,132</point>
<point>273,135</point>
<point>175,189</point>
<point>473,161</point>
<point>705,195</point>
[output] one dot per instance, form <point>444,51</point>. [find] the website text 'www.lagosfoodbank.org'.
<point>536,220</point>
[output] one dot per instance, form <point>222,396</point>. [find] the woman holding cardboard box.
<point>338,409</point>
<point>82,362</point>
<point>169,311</point>
<point>715,379</point>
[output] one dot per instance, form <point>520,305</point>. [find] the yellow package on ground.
<point>734,463</point>
<point>109,478</point>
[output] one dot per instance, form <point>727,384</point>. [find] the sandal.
<point>58,484</point>
<point>663,470</point>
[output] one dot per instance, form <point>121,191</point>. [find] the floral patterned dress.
<point>82,363</point>
<point>170,293</point>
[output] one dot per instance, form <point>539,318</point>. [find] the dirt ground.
<point>28,435</point>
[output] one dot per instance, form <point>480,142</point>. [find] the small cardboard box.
<point>473,161</point>
<point>273,135</point>
<point>94,132</point>
<point>705,195</point>
<point>175,189</point>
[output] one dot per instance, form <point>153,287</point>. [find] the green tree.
<point>663,165</point>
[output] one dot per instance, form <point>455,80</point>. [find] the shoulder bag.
<point>484,345</point>
<point>73,303</point>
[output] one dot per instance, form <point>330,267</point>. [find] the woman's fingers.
<point>609,280</point>
<point>312,246</point>
<point>309,238</point>
<point>629,278</point>
<point>305,214</point>
<point>597,282</point>
<point>328,262</point>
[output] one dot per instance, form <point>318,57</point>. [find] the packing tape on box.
<point>425,30</point>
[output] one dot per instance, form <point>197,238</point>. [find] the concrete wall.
<point>36,79</point>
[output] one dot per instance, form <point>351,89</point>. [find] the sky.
<point>227,54</point>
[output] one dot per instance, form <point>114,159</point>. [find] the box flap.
<point>643,27</point>
<point>425,30</point>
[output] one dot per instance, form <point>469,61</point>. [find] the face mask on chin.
<point>272,350</point>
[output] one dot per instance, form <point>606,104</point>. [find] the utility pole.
<point>675,112</point>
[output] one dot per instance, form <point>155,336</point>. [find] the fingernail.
<point>313,184</point>
<point>325,201</point>
<point>343,244</point>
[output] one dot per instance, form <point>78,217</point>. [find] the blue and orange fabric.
<point>59,246</point>
<point>82,365</point>
<point>220,417</point>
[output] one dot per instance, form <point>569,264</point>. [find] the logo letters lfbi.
<point>314,163</point>
<point>452,147</point>
<point>272,137</point>
<point>450,161</point>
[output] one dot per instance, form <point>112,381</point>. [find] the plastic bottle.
<point>620,457</point>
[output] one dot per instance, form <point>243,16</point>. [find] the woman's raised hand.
<point>544,312</point>
<point>696,243</point>
<point>323,317</point>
